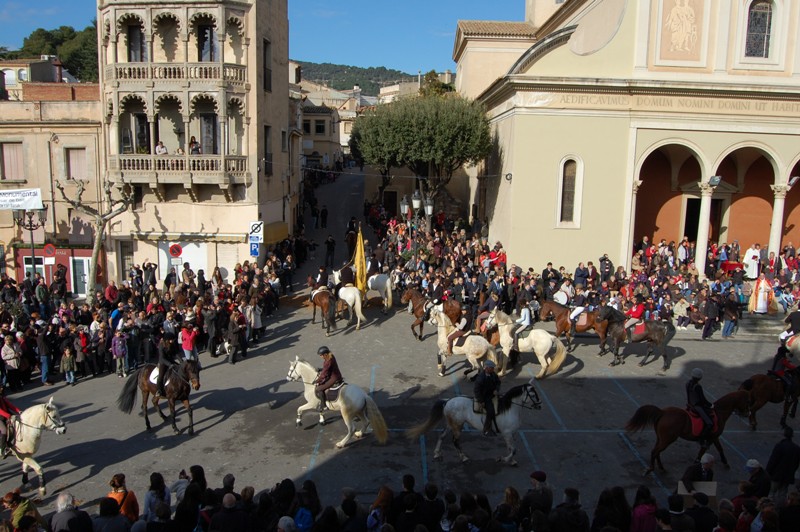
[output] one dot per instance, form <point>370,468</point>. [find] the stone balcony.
<point>235,75</point>
<point>187,170</point>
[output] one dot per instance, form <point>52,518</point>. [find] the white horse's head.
<point>532,395</point>
<point>51,418</point>
<point>297,368</point>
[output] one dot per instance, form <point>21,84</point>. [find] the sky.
<point>407,35</point>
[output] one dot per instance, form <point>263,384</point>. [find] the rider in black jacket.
<point>487,386</point>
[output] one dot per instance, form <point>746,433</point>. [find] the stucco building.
<point>209,81</point>
<point>612,116</point>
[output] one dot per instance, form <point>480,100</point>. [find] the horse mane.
<point>446,321</point>
<point>507,399</point>
<point>554,303</point>
<point>502,318</point>
<point>614,315</point>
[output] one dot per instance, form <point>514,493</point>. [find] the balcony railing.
<point>233,74</point>
<point>203,169</point>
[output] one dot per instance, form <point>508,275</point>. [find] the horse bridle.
<point>293,371</point>
<point>536,403</point>
<point>47,417</point>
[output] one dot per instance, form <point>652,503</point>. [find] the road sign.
<point>49,250</point>
<point>254,249</point>
<point>175,250</point>
<point>256,232</point>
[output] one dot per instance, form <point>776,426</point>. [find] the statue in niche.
<point>681,23</point>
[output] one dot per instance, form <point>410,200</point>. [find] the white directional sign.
<point>256,232</point>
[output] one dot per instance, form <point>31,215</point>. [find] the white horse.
<point>475,347</point>
<point>380,283</point>
<point>352,402</point>
<point>538,341</point>
<point>459,410</point>
<point>27,435</point>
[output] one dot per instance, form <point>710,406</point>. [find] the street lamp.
<point>24,220</point>
<point>420,215</point>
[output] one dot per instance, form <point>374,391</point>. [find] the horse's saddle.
<point>154,377</point>
<point>583,319</point>
<point>792,340</point>
<point>461,340</point>
<point>697,422</point>
<point>332,393</point>
<point>527,332</point>
<point>478,408</point>
<point>319,290</point>
<point>640,327</point>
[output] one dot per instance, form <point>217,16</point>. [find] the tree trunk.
<point>99,236</point>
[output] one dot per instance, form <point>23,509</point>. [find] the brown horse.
<point>765,389</point>
<point>672,423</point>
<point>181,379</point>
<point>324,299</point>
<point>656,334</point>
<point>452,309</point>
<point>563,326</point>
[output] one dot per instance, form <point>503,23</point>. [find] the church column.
<point>151,122</point>
<point>632,225</point>
<point>776,229</point>
<point>701,250</point>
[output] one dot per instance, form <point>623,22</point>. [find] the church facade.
<point>616,119</point>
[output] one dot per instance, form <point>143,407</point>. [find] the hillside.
<point>343,77</point>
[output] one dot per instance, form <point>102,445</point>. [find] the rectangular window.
<point>319,127</point>
<point>267,150</point>
<point>11,167</point>
<point>284,141</point>
<point>307,127</point>
<point>206,43</point>
<point>142,134</point>
<point>76,164</point>
<point>137,45</point>
<point>208,133</point>
<point>267,66</point>
<point>39,265</point>
<point>568,192</point>
<point>759,25</point>
<point>138,198</point>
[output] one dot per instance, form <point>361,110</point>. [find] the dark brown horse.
<point>452,309</point>
<point>563,326</point>
<point>325,300</point>
<point>656,334</point>
<point>765,389</point>
<point>672,423</point>
<point>181,379</point>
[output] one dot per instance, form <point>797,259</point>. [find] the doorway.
<point>692,219</point>
<point>390,202</point>
<point>80,276</point>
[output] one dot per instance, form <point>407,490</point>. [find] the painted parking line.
<point>312,462</point>
<point>424,459</point>
<point>529,450</point>
<point>549,404</point>
<point>625,392</point>
<point>640,458</point>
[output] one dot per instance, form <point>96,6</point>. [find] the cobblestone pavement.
<point>244,414</point>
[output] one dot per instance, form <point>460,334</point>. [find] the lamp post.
<point>24,220</point>
<point>419,214</point>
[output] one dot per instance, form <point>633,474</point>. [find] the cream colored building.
<point>51,133</point>
<point>209,80</point>
<point>612,116</point>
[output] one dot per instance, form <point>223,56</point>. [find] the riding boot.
<point>487,428</point>
<point>160,385</point>
<point>630,335</point>
<point>573,328</point>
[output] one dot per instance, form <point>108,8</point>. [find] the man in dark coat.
<point>711,313</point>
<point>67,517</point>
<point>569,516</point>
<point>487,386</point>
<point>759,478</point>
<point>328,377</point>
<point>782,465</point>
<point>702,472</point>
<point>230,517</point>
<point>705,520</point>
<point>697,402</point>
<point>537,503</point>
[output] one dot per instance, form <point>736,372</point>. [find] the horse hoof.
<point>298,423</point>
<point>612,363</point>
<point>191,432</point>
<point>327,334</point>
<point>437,458</point>
<point>464,460</point>
<point>358,434</point>
<point>340,445</point>
<point>441,373</point>
<point>419,337</point>
<point>641,364</point>
<point>513,463</point>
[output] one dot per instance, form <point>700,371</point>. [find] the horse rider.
<point>634,314</point>
<point>374,267</point>
<point>524,322</point>
<point>783,368</point>
<point>328,377</point>
<point>463,327</point>
<point>352,226</point>
<point>435,296</point>
<point>579,302</point>
<point>321,279</point>
<point>484,310</point>
<point>167,349</point>
<point>487,386</point>
<point>793,320</point>
<point>697,402</point>
<point>7,411</point>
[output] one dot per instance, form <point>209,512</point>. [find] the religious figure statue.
<point>681,23</point>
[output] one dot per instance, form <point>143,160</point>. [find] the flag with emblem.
<point>360,263</point>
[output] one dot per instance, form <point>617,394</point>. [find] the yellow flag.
<point>360,263</point>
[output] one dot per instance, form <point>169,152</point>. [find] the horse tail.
<point>389,290</point>
<point>332,312</point>
<point>127,396</point>
<point>376,420</point>
<point>670,332</point>
<point>558,358</point>
<point>357,307</point>
<point>645,416</point>
<point>437,413</point>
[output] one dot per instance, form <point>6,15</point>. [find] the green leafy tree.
<point>432,86</point>
<point>371,141</point>
<point>79,54</point>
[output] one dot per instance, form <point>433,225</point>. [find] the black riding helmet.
<point>323,350</point>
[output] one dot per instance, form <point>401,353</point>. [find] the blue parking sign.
<point>254,249</point>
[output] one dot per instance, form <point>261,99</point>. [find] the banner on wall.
<point>25,198</point>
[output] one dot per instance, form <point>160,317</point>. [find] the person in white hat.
<point>759,478</point>
<point>697,402</point>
